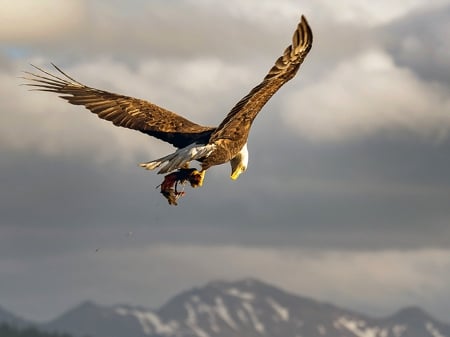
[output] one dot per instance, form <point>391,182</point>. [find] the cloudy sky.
<point>347,194</point>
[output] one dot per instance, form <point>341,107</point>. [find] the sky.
<point>346,197</point>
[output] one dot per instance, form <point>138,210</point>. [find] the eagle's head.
<point>239,163</point>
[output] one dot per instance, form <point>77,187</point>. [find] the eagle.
<point>208,145</point>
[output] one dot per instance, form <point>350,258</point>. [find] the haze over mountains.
<point>242,308</point>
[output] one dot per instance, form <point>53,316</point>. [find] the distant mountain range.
<point>247,308</point>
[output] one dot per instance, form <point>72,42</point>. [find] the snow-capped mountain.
<point>247,308</point>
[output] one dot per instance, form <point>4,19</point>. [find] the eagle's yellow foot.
<point>196,178</point>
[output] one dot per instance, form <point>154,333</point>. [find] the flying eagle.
<point>209,145</point>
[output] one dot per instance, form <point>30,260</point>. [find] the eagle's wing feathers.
<point>122,110</point>
<point>237,123</point>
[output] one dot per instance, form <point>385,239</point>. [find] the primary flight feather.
<point>209,145</point>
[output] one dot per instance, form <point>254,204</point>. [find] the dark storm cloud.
<point>422,46</point>
<point>386,193</point>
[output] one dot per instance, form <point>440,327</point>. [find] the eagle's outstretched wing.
<point>237,123</point>
<point>122,110</point>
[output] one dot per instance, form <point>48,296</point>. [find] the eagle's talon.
<point>169,186</point>
<point>196,178</point>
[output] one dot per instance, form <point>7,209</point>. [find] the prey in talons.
<point>169,186</point>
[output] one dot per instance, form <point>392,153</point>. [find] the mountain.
<point>90,319</point>
<point>247,308</point>
<point>11,319</point>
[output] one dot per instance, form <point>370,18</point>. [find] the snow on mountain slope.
<point>246,308</point>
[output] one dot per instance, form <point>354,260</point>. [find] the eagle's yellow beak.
<point>239,163</point>
<point>236,173</point>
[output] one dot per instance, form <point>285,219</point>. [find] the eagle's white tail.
<point>180,158</point>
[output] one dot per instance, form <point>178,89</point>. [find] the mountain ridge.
<point>12,319</point>
<point>243,308</point>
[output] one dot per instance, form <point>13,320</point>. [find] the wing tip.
<point>307,29</point>
<point>43,74</point>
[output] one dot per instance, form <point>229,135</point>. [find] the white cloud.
<point>27,20</point>
<point>361,12</point>
<point>365,95</point>
<point>366,12</point>
<point>312,272</point>
<point>254,10</point>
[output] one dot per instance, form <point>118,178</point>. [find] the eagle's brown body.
<point>209,145</point>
